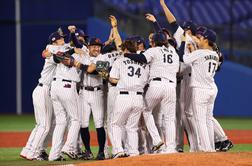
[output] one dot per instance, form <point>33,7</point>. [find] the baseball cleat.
<point>60,158</point>
<point>218,146</point>
<point>71,155</point>
<point>157,147</point>
<point>88,155</point>
<point>22,156</point>
<point>119,155</point>
<point>226,145</point>
<point>100,156</point>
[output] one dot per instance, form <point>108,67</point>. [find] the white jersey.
<point>164,62</point>
<point>110,57</point>
<point>48,71</point>
<point>62,71</point>
<point>132,75</point>
<point>93,80</point>
<point>204,63</point>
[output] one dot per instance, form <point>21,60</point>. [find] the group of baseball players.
<point>143,99</point>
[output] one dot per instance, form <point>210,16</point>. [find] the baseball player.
<point>204,90</point>
<point>131,78</point>
<point>184,110</point>
<point>65,104</point>
<point>91,98</point>
<point>164,64</point>
<point>42,108</point>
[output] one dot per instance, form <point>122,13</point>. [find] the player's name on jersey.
<point>166,50</point>
<point>212,57</point>
<point>111,55</point>
<point>128,62</point>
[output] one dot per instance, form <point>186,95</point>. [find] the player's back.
<point>164,62</point>
<point>133,76</point>
<point>203,68</point>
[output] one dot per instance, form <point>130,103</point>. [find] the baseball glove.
<point>102,67</point>
<point>65,58</point>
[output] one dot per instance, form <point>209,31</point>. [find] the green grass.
<point>10,156</point>
<point>22,123</point>
<point>236,123</point>
<point>27,122</point>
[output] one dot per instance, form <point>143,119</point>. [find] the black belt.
<point>160,79</point>
<point>126,93</point>
<point>90,88</point>
<point>54,79</point>
<point>40,84</point>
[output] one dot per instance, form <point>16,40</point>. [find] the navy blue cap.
<point>80,32</point>
<point>95,41</point>
<point>200,29</point>
<point>54,36</point>
<point>189,25</point>
<point>159,37</point>
<point>209,34</point>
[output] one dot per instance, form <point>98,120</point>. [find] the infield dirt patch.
<point>180,159</point>
<point>19,139</point>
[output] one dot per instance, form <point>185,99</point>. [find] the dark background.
<point>231,19</point>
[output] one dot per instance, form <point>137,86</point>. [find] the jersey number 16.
<point>167,58</point>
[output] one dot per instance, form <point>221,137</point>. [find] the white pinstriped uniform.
<point>219,134</point>
<point>128,107</point>
<point>92,101</point>
<point>65,104</point>
<point>164,65</point>
<point>184,111</point>
<point>204,90</point>
<point>42,110</point>
<point>112,90</point>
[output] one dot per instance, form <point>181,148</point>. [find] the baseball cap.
<point>200,29</point>
<point>55,36</point>
<point>159,37</point>
<point>95,41</point>
<point>209,34</point>
<point>80,32</point>
<point>189,25</point>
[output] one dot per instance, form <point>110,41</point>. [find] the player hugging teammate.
<point>141,99</point>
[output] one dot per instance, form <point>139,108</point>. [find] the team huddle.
<point>143,99</point>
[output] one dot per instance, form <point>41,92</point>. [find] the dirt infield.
<point>18,139</point>
<point>202,159</point>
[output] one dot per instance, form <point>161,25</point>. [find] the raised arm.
<point>116,35</point>
<point>151,18</point>
<point>169,16</point>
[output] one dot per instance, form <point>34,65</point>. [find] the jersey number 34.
<point>133,71</point>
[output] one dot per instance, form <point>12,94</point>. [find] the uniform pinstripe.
<point>204,63</point>
<point>164,64</point>
<point>92,101</point>
<point>65,104</point>
<point>219,134</point>
<point>185,110</point>
<point>42,111</point>
<point>128,107</point>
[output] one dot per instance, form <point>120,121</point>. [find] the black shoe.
<point>100,156</point>
<point>71,155</point>
<point>226,145</point>
<point>81,155</point>
<point>88,155</point>
<point>218,146</point>
<point>43,155</point>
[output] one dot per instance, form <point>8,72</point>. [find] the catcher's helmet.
<point>159,37</point>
